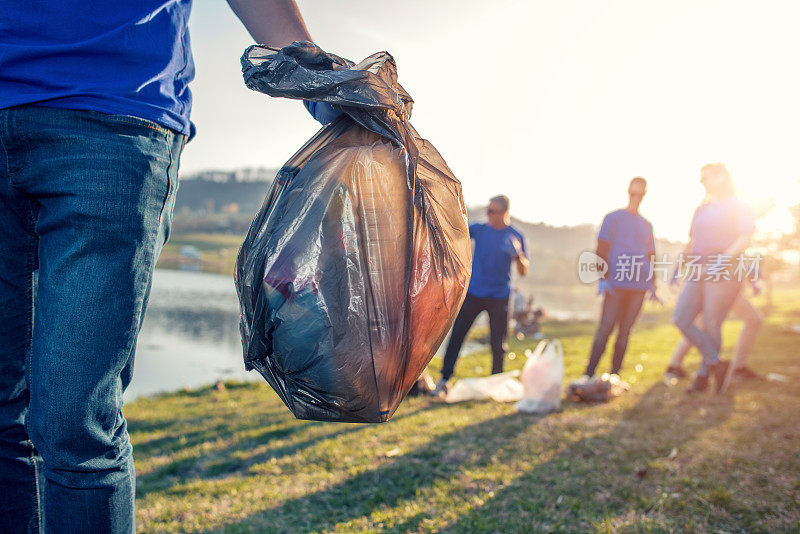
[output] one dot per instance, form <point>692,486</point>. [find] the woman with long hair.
<point>721,229</point>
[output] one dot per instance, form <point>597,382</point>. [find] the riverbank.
<point>215,253</point>
<point>235,460</point>
<point>210,253</point>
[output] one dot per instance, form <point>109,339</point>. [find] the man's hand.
<point>278,23</point>
<point>604,287</point>
<point>519,257</point>
<point>517,246</point>
<point>322,111</point>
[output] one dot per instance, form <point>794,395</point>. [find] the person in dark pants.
<point>626,244</point>
<point>620,309</point>
<point>497,246</point>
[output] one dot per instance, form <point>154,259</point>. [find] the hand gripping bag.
<point>357,263</point>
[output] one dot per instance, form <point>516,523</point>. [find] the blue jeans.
<point>620,310</point>
<point>714,300</point>
<point>85,200</point>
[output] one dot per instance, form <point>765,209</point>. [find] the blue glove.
<point>604,286</point>
<point>322,111</point>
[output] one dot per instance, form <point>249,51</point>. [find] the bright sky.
<point>556,104</point>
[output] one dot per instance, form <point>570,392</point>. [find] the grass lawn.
<point>654,459</point>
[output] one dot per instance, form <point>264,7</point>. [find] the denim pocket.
<point>176,144</point>
<point>140,122</point>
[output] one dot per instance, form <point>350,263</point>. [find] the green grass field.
<point>652,460</point>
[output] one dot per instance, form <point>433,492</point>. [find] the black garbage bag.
<point>356,265</point>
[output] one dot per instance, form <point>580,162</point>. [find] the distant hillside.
<point>224,202</point>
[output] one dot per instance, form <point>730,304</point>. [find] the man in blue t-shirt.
<point>497,246</point>
<point>626,243</point>
<point>94,114</point>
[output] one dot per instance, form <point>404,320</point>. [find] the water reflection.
<point>204,324</point>
<point>190,336</point>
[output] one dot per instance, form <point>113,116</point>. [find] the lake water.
<point>190,336</point>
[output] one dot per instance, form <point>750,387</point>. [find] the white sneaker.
<point>615,380</point>
<point>441,389</point>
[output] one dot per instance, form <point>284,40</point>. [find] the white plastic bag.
<point>502,387</point>
<point>542,377</point>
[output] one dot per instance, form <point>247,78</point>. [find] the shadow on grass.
<point>176,441</point>
<point>603,475</point>
<point>216,463</point>
<point>435,462</point>
<point>573,474</point>
<point>160,424</point>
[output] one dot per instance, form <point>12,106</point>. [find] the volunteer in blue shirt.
<point>626,243</point>
<point>94,114</point>
<point>721,229</point>
<point>497,246</point>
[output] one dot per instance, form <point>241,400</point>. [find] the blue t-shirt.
<point>631,241</point>
<point>716,225</point>
<point>128,57</point>
<point>491,261</point>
